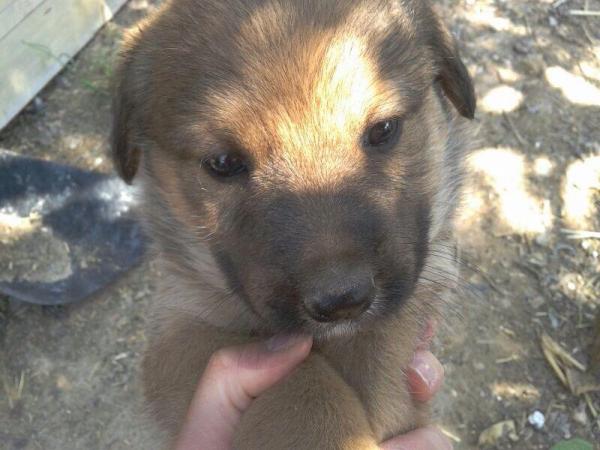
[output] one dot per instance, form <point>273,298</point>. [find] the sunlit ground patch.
<point>508,75</point>
<point>581,185</point>
<point>590,70</point>
<point>488,15</point>
<point>502,99</point>
<point>504,170</point>
<point>576,89</point>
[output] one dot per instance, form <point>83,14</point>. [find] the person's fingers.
<point>428,438</point>
<point>425,376</point>
<point>232,379</point>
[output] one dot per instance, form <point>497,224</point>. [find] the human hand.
<point>235,376</point>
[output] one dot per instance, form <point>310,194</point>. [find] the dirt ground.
<point>68,374</point>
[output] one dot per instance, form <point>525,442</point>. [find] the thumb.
<point>428,438</point>
<point>233,377</point>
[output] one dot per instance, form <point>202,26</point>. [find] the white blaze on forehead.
<point>322,146</point>
<point>346,86</point>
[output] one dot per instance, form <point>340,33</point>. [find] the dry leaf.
<point>498,431</point>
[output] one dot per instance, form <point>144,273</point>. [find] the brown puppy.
<point>300,164</point>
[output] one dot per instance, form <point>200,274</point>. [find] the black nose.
<point>343,297</point>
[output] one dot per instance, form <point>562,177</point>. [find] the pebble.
<point>579,415</point>
<point>36,105</point>
<point>522,47</point>
<point>537,420</point>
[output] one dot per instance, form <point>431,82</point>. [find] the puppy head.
<point>304,144</point>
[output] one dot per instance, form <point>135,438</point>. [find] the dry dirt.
<point>68,374</point>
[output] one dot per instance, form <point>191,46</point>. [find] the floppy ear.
<point>452,73</point>
<point>126,154</point>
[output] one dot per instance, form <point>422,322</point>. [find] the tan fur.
<point>293,85</point>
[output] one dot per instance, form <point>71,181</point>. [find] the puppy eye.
<point>226,165</point>
<point>383,132</point>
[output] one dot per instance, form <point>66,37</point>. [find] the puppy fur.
<point>292,87</point>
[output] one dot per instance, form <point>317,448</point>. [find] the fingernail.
<point>282,342</point>
<point>427,368</point>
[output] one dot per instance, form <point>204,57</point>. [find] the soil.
<point>69,374</point>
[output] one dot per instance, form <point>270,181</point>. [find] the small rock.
<point>522,47</point>
<point>73,142</point>
<point>554,321</point>
<point>537,420</point>
<point>35,106</point>
<point>63,383</point>
<point>579,415</point>
<point>552,21</point>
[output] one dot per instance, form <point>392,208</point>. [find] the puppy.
<point>300,163</point>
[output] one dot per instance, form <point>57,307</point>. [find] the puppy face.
<point>304,144</point>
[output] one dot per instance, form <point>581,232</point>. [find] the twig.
<point>588,35</point>
<point>557,370</point>
<point>451,435</point>
<point>581,234</point>
<point>513,128</point>
<point>583,12</point>
<point>552,345</point>
<point>508,359</point>
<point>14,393</point>
<point>588,400</point>
<point>485,277</point>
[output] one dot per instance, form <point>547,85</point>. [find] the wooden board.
<point>12,12</point>
<point>37,38</point>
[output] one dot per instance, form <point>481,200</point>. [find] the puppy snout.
<point>340,295</point>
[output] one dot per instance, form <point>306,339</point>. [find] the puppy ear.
<point>125,152</point>
<point>452,73</point>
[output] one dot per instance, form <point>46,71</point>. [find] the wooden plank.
<point>14,12</point>
<point>39,46</point>
<point>5,3</point>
